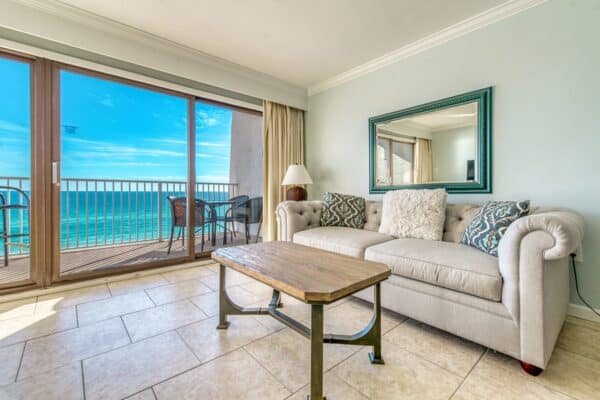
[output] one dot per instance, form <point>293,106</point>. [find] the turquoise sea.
<point>105,218</point>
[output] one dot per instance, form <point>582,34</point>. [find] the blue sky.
<point>114,131</point>
<point>14,119</point>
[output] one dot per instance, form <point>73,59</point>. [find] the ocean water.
<point>90,218</point>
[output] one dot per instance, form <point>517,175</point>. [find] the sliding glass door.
<point>228,175</point>
<point>15,171</point>
<point>121,172</point>
<point>101,175</point>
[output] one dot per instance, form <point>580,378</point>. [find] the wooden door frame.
<point>38,119</point>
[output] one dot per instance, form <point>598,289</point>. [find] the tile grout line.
<point>529,378</point>
<point>150,297</point>
<point>468,374</point>
<point>359,349</point>
<point>120,315</point>
<point>20,362</point>
<point>268,371</point>
<point>172,329</point>
<point>109,350</point>
<point>187,345</point>
<point>433,362</point>
<point>126,330</point>
<point>37,300</point>
<point>167,282</point>
<point>83,359</point>
<point>39,337</point>
<point>189,369</point>
<point>154,392</point>
<point>82,379</point>
<point>201,264</point>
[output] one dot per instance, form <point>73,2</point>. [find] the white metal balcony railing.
<point>102,212</point>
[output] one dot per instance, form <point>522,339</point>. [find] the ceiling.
<point>302,42</point>
<point>435,121</point>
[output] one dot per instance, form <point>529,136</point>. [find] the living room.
<point>394,193</point>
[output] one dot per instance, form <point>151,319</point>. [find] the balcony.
<point>109,224</point>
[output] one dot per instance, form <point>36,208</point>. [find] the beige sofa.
<point>515,303</point>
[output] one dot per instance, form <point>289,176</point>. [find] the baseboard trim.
<point>579,311</point>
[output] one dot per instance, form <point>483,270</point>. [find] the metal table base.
<point>369,336</point>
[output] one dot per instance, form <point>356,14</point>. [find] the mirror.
<point>442,144</point>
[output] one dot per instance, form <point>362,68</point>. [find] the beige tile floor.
<point>154,337</point>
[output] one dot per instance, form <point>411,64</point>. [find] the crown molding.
<point>457,30</point>
<point>134,35</point>
<point>79,15</point>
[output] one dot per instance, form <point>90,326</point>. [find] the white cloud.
<point>168,141</point>
<point>12,127</point>
<point>204,155</point>
<point>103,149</point>
<point>211,144</point>
<point>215,117</point>
<point>121,164</point>
<point>12,140</point>
<point>107,101</point>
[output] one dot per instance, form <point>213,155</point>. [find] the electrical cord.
<point>577,286</point>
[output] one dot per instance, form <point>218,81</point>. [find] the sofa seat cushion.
<point>349,241</point>
<point>450,265</point>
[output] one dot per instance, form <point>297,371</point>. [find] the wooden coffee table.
<point>313,276</point>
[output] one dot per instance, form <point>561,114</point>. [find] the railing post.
<point>160,222</point>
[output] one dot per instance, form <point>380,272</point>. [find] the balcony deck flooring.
<point>102,258</point>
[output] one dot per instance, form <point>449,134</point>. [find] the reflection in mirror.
<point>435,146</point>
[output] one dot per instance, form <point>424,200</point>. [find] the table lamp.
<point>296,175</point>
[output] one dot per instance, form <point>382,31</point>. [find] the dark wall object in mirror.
<point>442,144</point>
<point>470,170</point>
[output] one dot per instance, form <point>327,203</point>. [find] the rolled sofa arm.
<point>533,260</point>
<point>544,236</point>
<point>296,216</point>
<point>565,228</point>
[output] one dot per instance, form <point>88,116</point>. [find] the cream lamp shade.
<point>296,175</point>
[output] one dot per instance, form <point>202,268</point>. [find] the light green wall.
<point>450,150</point>
<point>544,65</point>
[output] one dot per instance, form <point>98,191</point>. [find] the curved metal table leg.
<point>369,336</point>
<point>228,307</point>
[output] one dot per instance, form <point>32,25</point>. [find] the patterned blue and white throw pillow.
<point>491,222</point>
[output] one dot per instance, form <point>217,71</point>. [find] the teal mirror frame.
<point>483,97</point>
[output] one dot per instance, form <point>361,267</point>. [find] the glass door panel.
<point>124,168</point>
<point>15,171</point>
<point>228,174</point>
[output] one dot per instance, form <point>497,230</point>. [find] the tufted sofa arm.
<point>296,216</point>
<point>563,229</point>
<point>544,236</point>
<point>533,260</point>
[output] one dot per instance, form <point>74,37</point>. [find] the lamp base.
<point>296,193</point>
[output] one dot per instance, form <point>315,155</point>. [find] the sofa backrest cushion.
<point>458,217</point>
<point>373,215</point>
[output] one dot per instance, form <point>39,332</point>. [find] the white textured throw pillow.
<point>418,214</point>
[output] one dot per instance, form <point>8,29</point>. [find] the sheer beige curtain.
<point>283,144</point>
<point>423,161</point>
